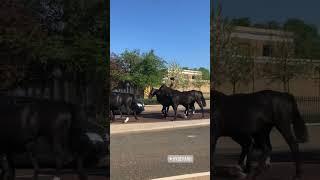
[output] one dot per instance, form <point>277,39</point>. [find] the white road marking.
<point>191,136</point>
<point>184,176</point>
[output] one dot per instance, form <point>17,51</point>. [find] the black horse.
<point>164,100</point>
<point>117,100</point>
<point>24,120</point>
<point>185,98</point>
<point>249,119</point>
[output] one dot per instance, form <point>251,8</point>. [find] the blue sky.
<point>279,10</point>
<point>178,30</point>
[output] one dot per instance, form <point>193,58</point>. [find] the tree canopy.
<point>142,69</point>
<point>68,34</point>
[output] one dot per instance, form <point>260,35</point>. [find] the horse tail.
<point>299,126</point>
<point>203,100</point>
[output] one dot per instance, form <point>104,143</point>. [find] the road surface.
<point>139,156</point>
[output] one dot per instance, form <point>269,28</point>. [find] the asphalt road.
<point>282,166</point>
<point>139,156</point>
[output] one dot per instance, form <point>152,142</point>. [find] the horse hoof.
<point>268,166</point>
<point>56,178</point>
<point>126,120</point>
<point>239,168</point>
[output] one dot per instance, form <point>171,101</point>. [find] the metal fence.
<point>309,108</point>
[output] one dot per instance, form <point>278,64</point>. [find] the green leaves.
<point>143,70</point>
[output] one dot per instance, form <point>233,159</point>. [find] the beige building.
<point>264,44</point>
<point>192,80</point>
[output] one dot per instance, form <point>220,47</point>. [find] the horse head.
<point>153,92</point>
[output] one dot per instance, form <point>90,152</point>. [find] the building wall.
<point>256,38</point>
<point>298,87</point>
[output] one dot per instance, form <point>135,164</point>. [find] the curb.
<point>195,176</point>
<point>156,126</point>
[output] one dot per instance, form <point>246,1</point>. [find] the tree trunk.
<point>234,88</point>
<point>319,82</point>
<point>284,83</point>
<point>253,81</point>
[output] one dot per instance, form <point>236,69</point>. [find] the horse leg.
<point>245,144</point>
<point>268,147</point>
<point>135,115</point>
<point>163,111</point>
<point>187,110</point>
<point>59,153</point>
<point>34,161</point>
<point>175,108</point>
<point>266,150</point>
<point>80,169</point>
<point>294,147</point>
<point>5,167</point>
<point>12,171</point>
<point>111,116</point>
<point>213,142</point>
<point>120,114</point>
<point>166,111</point>
<point>193,109</point>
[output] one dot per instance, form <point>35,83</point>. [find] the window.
<point>267,50</point>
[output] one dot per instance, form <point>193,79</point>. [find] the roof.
<point>261,34</point>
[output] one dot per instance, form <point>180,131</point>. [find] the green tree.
<point>307,39</point>
<point>198,82</point>
<point>241,22</point>
<point>205,73</point>
<point>150,71</point>
<point>236,66</point>
<point>142,70</point>
<point>282,67</point>
<point>174,76</point>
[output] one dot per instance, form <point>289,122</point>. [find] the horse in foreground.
<point>249,118</point>
<point>24,120</point>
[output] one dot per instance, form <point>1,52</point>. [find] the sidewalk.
<point>141,127</point>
